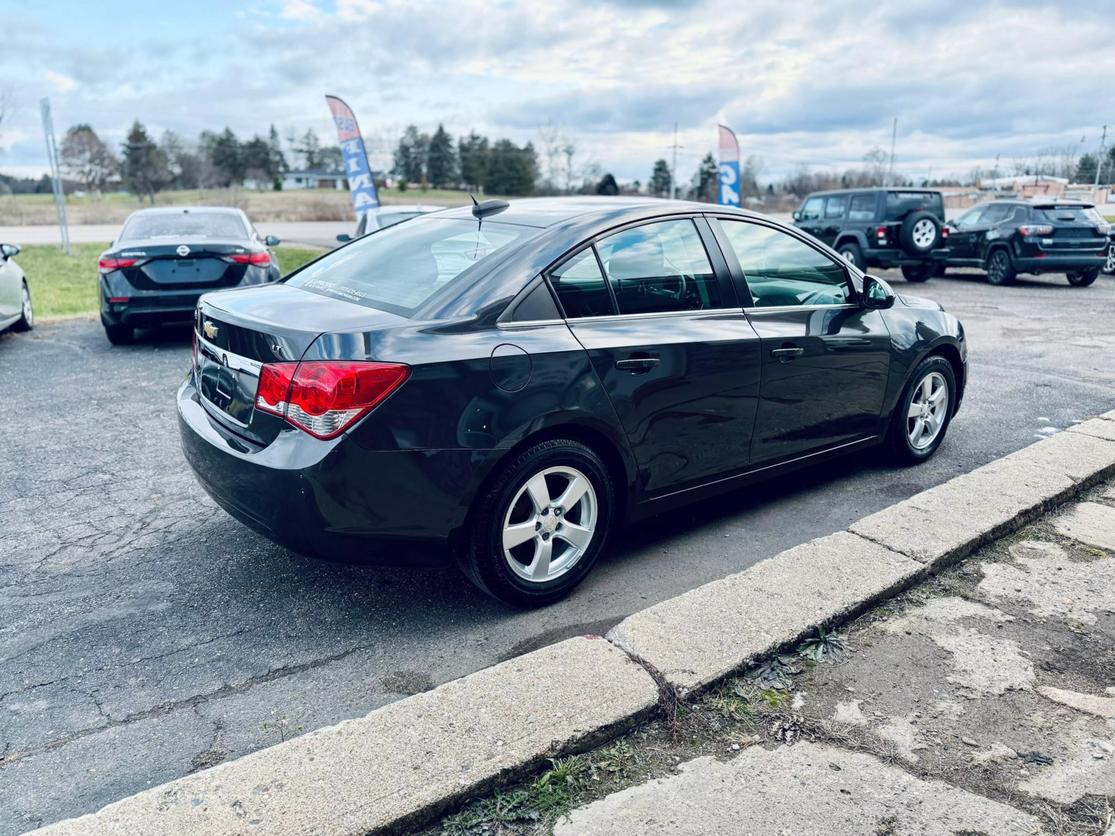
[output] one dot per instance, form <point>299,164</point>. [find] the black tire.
<point>481,555</point>
<point>915,234</point>
<point>851,252</point>
<point>899,444</point>
<point>940,270</point>
<point>1082,278</point>
<point>917,272</point>
<point>120,334</point>
<point>1000,268</point>
<point>26,319</point>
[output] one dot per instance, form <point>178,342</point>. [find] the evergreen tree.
<point>227,158</point>
<point>441,161</point>
<point>607,185</point>
<point>706,180</point>
<point>659,183</point>
<point>410,155</point>
<point>278,165</point>
<point>511,170</point>
<point>473,151</point>
<point>145,168</point>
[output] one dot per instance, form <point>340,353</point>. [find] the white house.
<point>314,180</point>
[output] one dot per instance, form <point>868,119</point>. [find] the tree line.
<point>144,165</point>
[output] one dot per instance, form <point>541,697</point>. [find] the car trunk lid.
<point>184,264</point>
<point>239,331</point>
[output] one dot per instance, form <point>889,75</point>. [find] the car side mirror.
<point>877,294</point>
<point>8,250</point>
<point>797,215</point>
<point>344,237</point>
<point>272,241</point>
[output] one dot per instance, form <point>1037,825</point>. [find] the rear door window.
<point>836,207</point>
<point>1069,214</point>
<point>660,267</point>
<point>581,288</point>
<point>996,213</point>
<point>862,208</point>
<point>212,225</point>
<point>905,201</point>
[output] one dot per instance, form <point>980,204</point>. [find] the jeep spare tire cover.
<point>921,232</point>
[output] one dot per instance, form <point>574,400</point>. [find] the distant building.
<point>314,180</point>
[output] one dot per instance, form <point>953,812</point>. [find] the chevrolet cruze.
<point>515,382</point>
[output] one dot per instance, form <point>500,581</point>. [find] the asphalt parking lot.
<point>146,634</point>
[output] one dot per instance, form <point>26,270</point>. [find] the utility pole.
<point>1099,160</point>
<point>674,168</point>
<point>55,175</point>
<point>890,170</point>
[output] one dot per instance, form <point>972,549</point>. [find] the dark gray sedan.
<point>514,383</point>
<point>164,259</point>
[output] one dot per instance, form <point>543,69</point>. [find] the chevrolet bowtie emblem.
<point>210,330</point>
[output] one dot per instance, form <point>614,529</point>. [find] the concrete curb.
<point>408,761</point>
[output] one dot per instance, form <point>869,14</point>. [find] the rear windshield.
<point>1069,214</point>
<point>397,269</point>
<point>220,225</point>
<point>930,201</point>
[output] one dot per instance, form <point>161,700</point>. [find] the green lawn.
<point>63,286</point>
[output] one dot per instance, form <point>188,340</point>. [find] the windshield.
<point>399,268</point>
<point>929,201</point>
<point>1070,214</point>
<point>222,225</point>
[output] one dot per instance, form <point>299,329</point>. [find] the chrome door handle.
<point>784,354</point>
<point>637,365</point>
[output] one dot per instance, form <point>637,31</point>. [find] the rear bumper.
<point>897,258</point>
<point>144,307</point>
<point>1058,263</point>
<point>332,499</point>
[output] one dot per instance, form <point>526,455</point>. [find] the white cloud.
<point>300,10</point>
<point>60,81</point>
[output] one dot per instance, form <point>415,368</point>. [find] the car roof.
<point>545,212</point>
<point>873,190</point>
<point>179,210</point>
<point>408,207</point>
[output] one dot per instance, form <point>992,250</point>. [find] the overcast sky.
<point>802,83</point>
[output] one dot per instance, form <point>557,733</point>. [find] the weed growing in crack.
<point>283,727</point>
<point>732,700</point>
<point>824,647</point>
<point>775,673</point>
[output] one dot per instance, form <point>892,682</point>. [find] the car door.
<point>985,228</point>
<point>811,216</point>
<point>836,210</point>
<point>655,309</point>
<point>11,287</point>
<point>960,240</point>
<point>825,357</point>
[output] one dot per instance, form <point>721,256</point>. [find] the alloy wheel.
<point>923,233</point>
<point>1109,267</point>
<point>549,524</point>
<point>28,314</point>
<point>997,267</point>
<point>928,410</point>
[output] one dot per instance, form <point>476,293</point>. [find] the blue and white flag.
<point>729,168</point>
<point>357,169</point>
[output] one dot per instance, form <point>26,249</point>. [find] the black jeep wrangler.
<point>880,228</point>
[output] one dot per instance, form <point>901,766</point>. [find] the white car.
<point>385,216</point>
<point>15,296</point>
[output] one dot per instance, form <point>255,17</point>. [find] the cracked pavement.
<point>146,634</point>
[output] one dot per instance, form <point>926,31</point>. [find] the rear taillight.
<point>115,263</point>
<point>1035,229</point>
<point>881,233</point>
<point>258,259</point>
<point>944,233</point>
<point>324,397</point>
